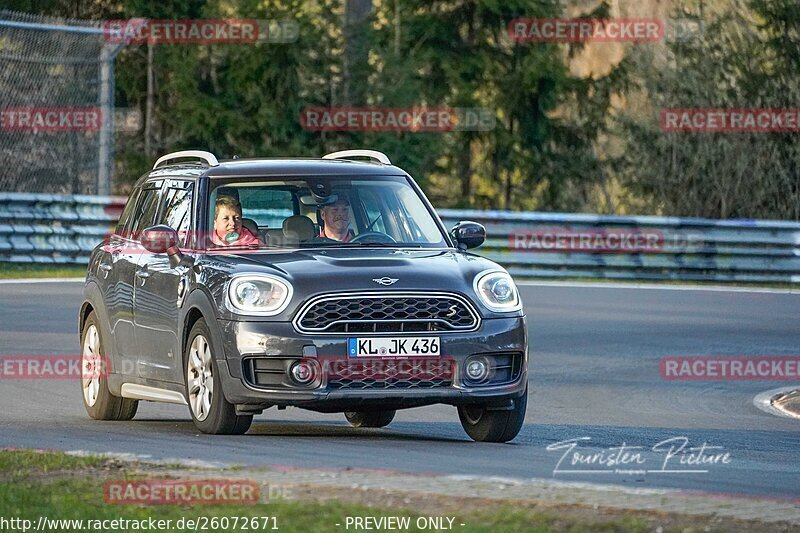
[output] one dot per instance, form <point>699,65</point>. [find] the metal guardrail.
<point>687,249</point>
<point>45,228</point>
<point>54,228</point>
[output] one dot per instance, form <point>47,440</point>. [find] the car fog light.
<point>302,372</point>
<point>477,369</point>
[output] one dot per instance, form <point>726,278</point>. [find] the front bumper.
<point>244,341</point>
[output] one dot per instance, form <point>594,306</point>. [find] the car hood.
<point>318,271</point>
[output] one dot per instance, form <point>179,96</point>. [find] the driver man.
<point>336,221</point>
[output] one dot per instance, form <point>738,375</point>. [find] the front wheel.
<point>100,404</point>
<point>485,425</point>
<point>211,412</point>
<point>369,419</point>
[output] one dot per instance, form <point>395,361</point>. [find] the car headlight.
<point>497,291</point>
<point>258,294</point>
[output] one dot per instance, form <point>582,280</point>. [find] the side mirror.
<point>468,234</point>
<point>160,239</point>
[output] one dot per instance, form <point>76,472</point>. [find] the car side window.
<point>127,212</point>
<point>145,212</point>
<point>177,211</point>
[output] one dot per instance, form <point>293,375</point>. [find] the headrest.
<point>250,225</point>
<point>298,228</point>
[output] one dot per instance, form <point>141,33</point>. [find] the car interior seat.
<point>297,229</point>
<point>250,225</point>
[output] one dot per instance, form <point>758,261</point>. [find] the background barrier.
<point>47,228</point>
<point>54,228</point>
<point>689,249</point>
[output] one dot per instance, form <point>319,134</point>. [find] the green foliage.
<point>247,99</point>
<point>562,141</point>
<point>30,461</point>
<point>746,57</point>
<point>27,270</point>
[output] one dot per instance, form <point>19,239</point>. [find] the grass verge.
<point>66,488</point>
<point>20,271</point>
<point>668,282</point>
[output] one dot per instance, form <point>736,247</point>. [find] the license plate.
<point>392,346</point>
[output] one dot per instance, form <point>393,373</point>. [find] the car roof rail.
<point>380,157</point>
<point>207,157</point>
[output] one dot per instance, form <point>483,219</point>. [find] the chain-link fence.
<point>56,105</point>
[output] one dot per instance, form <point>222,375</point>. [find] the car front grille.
<point>387,313</point>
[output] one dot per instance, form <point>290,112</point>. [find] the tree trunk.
<point>397,28</point>
<point>464,169</point>
<point>354,69</point>
<point>509,186</point>
<point>509,172</point>
<point>150,105</point>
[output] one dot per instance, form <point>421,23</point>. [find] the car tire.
<point>100,404</point>
<point>211,412</point>
<point>370,419</point>
<point>484,425</point>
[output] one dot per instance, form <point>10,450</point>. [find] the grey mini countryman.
<point>328,284</point>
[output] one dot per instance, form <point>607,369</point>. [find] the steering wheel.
<point>374,236</point>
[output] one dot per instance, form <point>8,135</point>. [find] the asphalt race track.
<point>594,373</point>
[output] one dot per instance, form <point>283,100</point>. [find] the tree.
<point>456,53</point>
<point>246,99</point>
<point>746,57</point>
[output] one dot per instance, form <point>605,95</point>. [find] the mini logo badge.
<point>384,280</point>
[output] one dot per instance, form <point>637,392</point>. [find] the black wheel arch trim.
<point>92,297</point>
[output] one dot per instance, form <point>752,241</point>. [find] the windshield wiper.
<point>236,248</point>
<point>378,244</point>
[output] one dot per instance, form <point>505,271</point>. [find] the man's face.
<point>337,216</point>
<point>227,220</point>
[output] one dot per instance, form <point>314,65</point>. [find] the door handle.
<point>105,268</point>
<point>142,274</point>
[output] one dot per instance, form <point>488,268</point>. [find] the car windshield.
<point>320,212</point>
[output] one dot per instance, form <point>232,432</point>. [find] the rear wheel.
<point>486,425</point>
<point>211,412</point>
<point>370,419</point>
<point>97,399</point>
